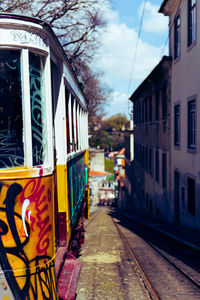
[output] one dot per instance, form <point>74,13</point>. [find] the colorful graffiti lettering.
<point>34,193</point>
<point>26,240</point>
<point>77,181</point>
<point>37,109</point>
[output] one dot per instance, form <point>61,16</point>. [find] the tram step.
<point>68,279</point>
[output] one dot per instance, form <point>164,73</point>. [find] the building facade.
<point>129,162</point>
<point>152,119</point>
<point>184,47</point>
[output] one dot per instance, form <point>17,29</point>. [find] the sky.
<point>122,73</point>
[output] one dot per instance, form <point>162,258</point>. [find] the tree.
<point>96,93</point>
<point>75,22</point>
<point>110,135</point>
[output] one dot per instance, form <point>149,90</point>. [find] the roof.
<point>97,173</point>
<point>111,154</point>
<point>148,78</point>
<point>120,152</point>
<point>163,6</point>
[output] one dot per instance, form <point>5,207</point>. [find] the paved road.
<point>107,269</point>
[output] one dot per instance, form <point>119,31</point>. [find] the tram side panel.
<point>27,172</point>
<point>27,230</point>
<point>71,166</point>
<point>27,238</point>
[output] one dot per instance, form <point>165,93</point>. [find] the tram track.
<point>152,292</point>
<point>92,217</point>
<point>148,282</point>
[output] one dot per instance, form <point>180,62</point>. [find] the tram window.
<point>77,135</point>
<point>72,114</point>
<point>11,131</point>
<point>37,97</point>
<point>67,119</point>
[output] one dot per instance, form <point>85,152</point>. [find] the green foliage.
<point>109,134</point>
<point>109,165</point>
<point>110,177</point>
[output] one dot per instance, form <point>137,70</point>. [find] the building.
<point>95,181</point>
<point>129,162</point>
<point>152,119</point>
<point>184,48</point>
<point>107,193</point>
<point>119,170</point>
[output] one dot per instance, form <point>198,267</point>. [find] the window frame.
<point>157,165</point>
<point>192,24</point>
<point>177,131</point>
<point>164,170</point>
<point>47,166</point>
<point>177,36</point>
<point>191,131</point>
<point>191,206</point>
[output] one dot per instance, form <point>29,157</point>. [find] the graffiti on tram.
<point>26,239</point>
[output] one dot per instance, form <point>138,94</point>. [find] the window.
<point>191,195</point>
<point>191,124</point>
<point>157,166</point>
<point>67,119</point>
<point>11,120</point>
<point>164,102</point>
<point>191,22</point>
<point>142,111</point>
<point>177,125</point>
<point>177,33</point>
<point>150,109</point>
<point>150,162</point>
<point>143,156</point>
<point>38,107</point>
<point>164,170</point>
<point>157,105</point>
<point>146,110</point>
<point>146,159</point>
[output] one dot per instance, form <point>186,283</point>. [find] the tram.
<point>43,160</point>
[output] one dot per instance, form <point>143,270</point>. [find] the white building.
<point>184,47</point>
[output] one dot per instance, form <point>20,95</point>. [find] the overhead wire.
<point>136,49</point>
<point>137,43</point>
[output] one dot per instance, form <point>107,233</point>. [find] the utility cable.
<point>136,48</point>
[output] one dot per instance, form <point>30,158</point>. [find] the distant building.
<point>129,163</point>
<point>184,47</point>
<point>96,174</point>
<point>95,181</point>
<point>152,116</point>
<point>97,160</point>
<point>119,170</point>
<point>106,193</point>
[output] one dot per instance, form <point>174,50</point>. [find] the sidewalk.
<point>185,235</point>
<point>108,272</point>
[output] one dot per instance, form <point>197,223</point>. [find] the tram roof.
<point>47,27</point>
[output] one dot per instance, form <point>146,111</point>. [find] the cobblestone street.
<point>107,269</point>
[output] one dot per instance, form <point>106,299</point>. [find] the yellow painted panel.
<point>62,193</point>
<point>61,187</point>
<point>27,235</point>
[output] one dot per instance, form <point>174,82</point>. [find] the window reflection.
<point>11,140</point>
<point>39,142</point>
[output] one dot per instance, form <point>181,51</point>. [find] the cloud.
<point>121,71</point>
<point>153,22</point>
<point>116,60</point>
<point>119,104</point>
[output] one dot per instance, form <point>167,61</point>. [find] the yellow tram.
<point>43,158</point>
